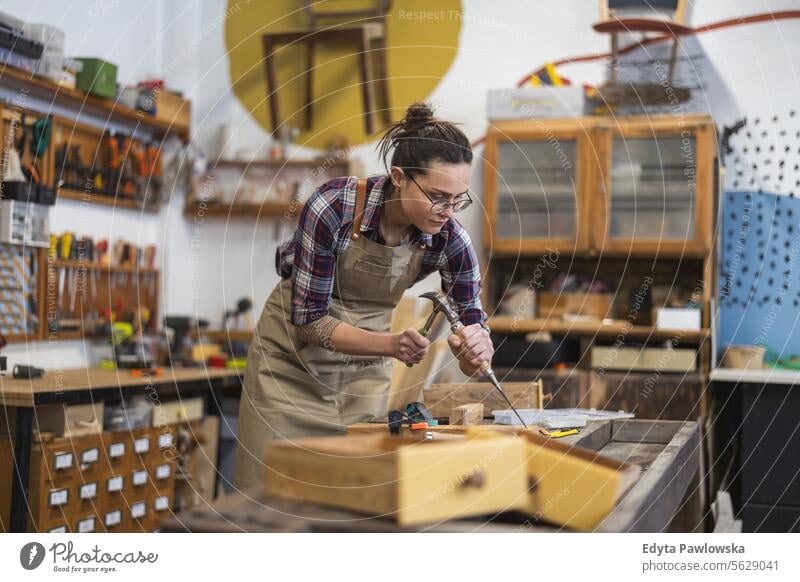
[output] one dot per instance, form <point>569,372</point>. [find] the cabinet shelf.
<point>98,199</point>
<point>264,209</point>
<point>511,325</point>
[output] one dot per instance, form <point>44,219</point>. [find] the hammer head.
<point>441,304</point>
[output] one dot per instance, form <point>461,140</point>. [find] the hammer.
<point>441,304</point>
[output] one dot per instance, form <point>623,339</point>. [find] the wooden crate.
<point>440,399</point>
<point>648,395</point>
<point>408,479</point>
<point>562,388</point>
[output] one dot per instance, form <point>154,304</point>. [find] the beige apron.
<point>293,389</point>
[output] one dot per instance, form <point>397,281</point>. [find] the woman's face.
<point>441,181</point>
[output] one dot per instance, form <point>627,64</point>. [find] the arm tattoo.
<point>319,332</point>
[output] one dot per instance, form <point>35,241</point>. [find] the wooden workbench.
<point>87,385</point>
<point>667,451</point>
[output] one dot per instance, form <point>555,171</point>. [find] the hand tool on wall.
<point>442,304</point>
<point>110,163</point>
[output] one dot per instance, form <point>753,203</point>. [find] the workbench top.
<point>55,383</point>
<point>666,451</point>
<point>764,376</point>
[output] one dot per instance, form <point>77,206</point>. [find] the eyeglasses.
<point>441,206</point>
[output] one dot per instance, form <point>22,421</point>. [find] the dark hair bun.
<point>417,115</point>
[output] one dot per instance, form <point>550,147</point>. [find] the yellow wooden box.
<point>568,485</point>
<point>405,478</point>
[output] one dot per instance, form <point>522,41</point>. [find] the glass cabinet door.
<point>652,188</point>
<point>536,190</point>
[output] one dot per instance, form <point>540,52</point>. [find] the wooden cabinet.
<point>596,185</point>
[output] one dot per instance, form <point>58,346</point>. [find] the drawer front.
<point>114,489</point>
<point>446,481</point>
<point>87,522</point>
<point>141,444</point>
<point>89,494</point>
<point>90,454</point>
<point>53,501</point>
<point>114,519</point>
<point>59,460</point>
<point>117,451</point>
<point>140,515</point>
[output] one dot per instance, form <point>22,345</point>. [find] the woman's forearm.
<point>338,336</point>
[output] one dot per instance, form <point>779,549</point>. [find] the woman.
<point>321,356</point>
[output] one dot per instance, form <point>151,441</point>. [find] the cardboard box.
<point>677,318</point>
<point>644,359</point>
<point>533,102</point>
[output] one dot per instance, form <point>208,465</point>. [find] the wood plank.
<point>652,502</point>
<point>441,398</point>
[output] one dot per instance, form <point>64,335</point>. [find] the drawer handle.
<point>475,479</point>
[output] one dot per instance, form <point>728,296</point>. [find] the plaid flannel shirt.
<point>324,230</point>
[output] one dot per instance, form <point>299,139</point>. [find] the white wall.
<point>209,263</point>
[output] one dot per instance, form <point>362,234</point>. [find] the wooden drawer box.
<point>113,519</point>
<point>648,395</point>
<point>55,457</point>
<point>89,494</point>
<point>117,456</point>
<point>90,454</point>
<point>51,501</point>
<point>141,444</point>
<point>411,480</point>
<point>87,522</point>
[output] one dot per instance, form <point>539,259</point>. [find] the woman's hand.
<point>471,348</point>
<point>410,347</point>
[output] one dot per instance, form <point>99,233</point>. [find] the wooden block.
<point>467,414</point>
<point>440,399</point>
<point>405,478</point>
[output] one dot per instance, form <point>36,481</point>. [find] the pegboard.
<point>759,297</point>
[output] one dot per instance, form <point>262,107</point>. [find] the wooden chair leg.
<point>309,113</point>
<point>366,86</point>
<point>382,79</point>
<point>673,59</point>
<point>614,57</point>
<point>272,85</point>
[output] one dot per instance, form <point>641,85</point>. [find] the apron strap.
<point>361,201</point>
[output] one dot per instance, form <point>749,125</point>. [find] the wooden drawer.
<point>90,454</point>
<point>161,504</point>
<point>412,480</point>
<point>114,488</point>
<point>117,451</point>
<point>52,501</point>
<point>55,457</point>
<point>140,514</point>
<point>89,494</point>
<point>55,526</point>
<point>163,475</point>
<point>141,444</point>
<point>164,442</point>
<point>567,388</point>
<point>87,522</point>
<point>648,395</point>
<point>114,519</point>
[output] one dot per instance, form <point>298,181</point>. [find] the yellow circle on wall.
<point>421,40</point>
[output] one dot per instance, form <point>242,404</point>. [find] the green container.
<point>97,77</point>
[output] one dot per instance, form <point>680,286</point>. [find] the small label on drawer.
<point>162,471</point>
<point>113,517</point>
<point>141,445</point>
<point>86,525</point>
<point>59,529</point>
<point>165,440</point>
<point>63,460</point>
<point>58,497</point>
<point>116,450</point>
<point>138,509</point>
<point>90,456</point>
<point>115,483</point>
<point>140,477</point>
<point>89,491</point>
<point>161,503</point>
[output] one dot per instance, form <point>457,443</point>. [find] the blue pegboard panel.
<point>759,298</point>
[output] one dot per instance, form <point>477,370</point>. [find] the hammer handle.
<point>424,333</point>
<point>458,329</point>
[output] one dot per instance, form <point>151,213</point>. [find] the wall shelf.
<point>104,200</point>
<point>43,88</point>
<point>267,208</point>
<point>598,329</point>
